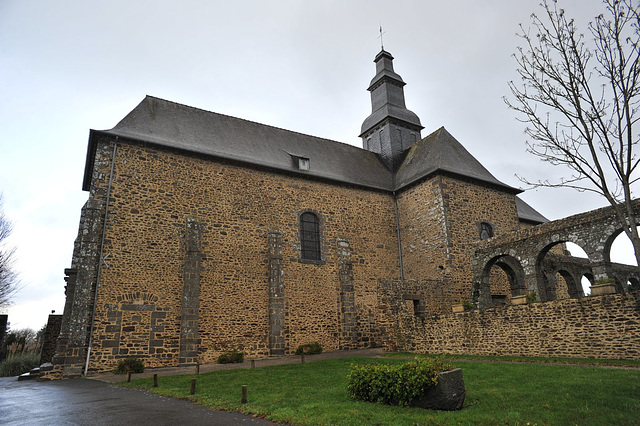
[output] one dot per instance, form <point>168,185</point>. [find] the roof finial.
<point>381,42</point>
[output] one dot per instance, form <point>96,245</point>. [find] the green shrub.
<point>232,357</point>
<point>311,349</point>
<point>394,384</point>
<point>18,364</point>
<point>130,364</point>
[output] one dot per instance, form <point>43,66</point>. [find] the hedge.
<point>232,357</point>
<point>394,384</point>
<point>312,348</point>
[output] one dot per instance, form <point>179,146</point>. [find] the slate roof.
<point>172,125</point>
<point>528,213</point>
<point>441,152</point>
<point>177,126</point>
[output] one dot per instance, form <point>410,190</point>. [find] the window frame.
<point>310,237</point>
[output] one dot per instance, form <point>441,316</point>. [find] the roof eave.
<point>88,164</point>
<point>91,149</point>
<point>530,221</point>
<point>419,178</point>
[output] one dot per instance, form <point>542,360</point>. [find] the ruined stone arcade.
<point>531,267</point>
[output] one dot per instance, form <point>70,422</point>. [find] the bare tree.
<point>8,279</point>
<point>579,95</point>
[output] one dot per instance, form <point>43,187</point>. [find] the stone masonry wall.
<point>439,222</point>
<point>142,285</point>
<point>592,327</point>
<point>423,231</point>
<point>467,205</point>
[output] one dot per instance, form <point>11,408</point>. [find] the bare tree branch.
<point>9,284</point>
<point>580,99</point>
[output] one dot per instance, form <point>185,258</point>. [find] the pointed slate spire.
<point>391,128</point>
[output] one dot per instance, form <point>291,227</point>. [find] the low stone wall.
<point>605,327</point>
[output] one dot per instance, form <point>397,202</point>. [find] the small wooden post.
<point>253,363</point>
<point>302,358</point>
<point>197,368</point>
<point>192,391</point>
<point>243,400</point>
<point>128,376</point>
<point>155,380</point>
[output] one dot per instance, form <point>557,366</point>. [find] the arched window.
<point>309,237</point>
<point>486,231</point>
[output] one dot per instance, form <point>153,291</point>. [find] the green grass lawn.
<point>315,393</point>
<point>528,359</point>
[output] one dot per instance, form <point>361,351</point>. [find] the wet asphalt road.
<point>90,402</point>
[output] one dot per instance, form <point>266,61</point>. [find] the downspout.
<point>395,202</point>
<point>104,231</point>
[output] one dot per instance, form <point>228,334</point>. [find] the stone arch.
<point>593,231</point>
<point>626,275</point>
<point>514,271</point>
<point>589,278</point>
<point>574,286</point>
<point>546,275</point>
<point>606,253</point>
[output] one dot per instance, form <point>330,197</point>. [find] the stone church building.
<point>205,233</point>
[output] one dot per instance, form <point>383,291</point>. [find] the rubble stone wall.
<point>605,327</point>
<point>150,269</point>
<point>439,223</point>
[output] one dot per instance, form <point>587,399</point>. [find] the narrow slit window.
<point>309,237</point>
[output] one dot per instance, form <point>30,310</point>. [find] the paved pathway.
<point>89,402</point>
<point>98,402</point>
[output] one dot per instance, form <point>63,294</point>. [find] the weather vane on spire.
<point>381,42</point>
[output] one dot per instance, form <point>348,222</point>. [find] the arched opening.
<point>633,284</point>
<point>621,250</point>
<point>568,286</point>
<point>502,278</point>
<point>622,266</point>
<point>587,281</point>
<point>560,268</point>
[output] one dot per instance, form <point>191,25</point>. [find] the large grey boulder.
<point>448,394</point>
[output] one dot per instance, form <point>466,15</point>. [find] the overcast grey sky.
<point>69,66</point>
